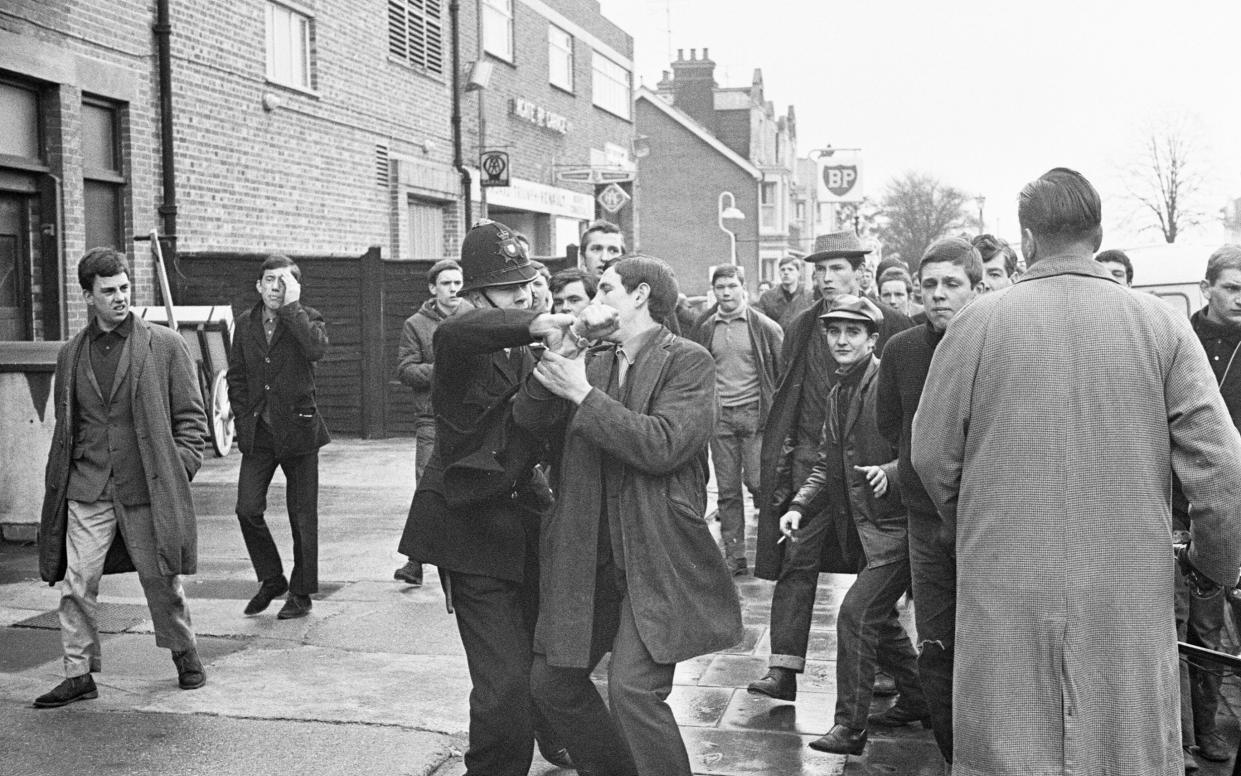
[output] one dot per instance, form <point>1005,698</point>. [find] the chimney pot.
<point>680,55</point>
<point>693,54</point>
<point>704,53</point>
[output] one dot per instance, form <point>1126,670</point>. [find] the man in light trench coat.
<point>1052,419</point>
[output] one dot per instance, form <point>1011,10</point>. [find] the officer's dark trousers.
<point>933,563</point>
<point>301,474</point>
<point>496,619</point>
<point>640,734</point>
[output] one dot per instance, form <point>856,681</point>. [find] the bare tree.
<point>917,208</point>
<point>1168,178</point>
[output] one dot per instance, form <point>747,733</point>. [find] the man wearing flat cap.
<point>478,505</point>
<point>791,440</point>
<point>854,478</point>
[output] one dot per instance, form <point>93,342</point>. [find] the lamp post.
<point>731,211</point>
<point>982,224</point>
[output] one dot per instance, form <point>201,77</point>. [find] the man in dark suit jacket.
<point>477,507</point>
<point>629,565</point>
<point>271,386</point>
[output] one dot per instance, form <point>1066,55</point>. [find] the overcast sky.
<point>985,94</point>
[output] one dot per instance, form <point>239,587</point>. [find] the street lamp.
<point>982,224</point>
<point>731,211</point>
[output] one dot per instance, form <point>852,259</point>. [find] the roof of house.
<point>682,118</point>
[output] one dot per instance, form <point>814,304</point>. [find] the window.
<point>767,209</point>
<point>426,229</point>
<point>498,28</point>
<point>19,122</point>
<point>101,174</point>
<point>416,33</point>
<point>288,47</point>
<point>610,86</point>
<point>560,58</point>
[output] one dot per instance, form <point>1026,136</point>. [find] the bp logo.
<point>840,179</point>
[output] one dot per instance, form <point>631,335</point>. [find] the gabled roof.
<point>682,118</point>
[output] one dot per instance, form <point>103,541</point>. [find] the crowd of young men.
<point>972,453</point>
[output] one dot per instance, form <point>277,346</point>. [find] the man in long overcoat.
<point>128,437</point>
<point>1052,419</point>
<point>628,563</point>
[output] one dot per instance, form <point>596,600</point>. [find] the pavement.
<point>374,681</point>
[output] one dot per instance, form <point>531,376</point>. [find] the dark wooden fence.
<point>365,300</point>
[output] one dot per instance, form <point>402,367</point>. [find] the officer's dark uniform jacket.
<point>479,502</point>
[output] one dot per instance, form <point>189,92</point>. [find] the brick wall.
<point>679,187</point>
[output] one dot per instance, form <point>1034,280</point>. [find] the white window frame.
<point>288,46</point>
<point>769,198</point>
<point>498,28</point>
<point>611,86</point>
<point>559,58</point>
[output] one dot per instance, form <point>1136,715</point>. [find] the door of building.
<point>15,261</point>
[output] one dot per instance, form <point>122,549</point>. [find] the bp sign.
<point>613,198</point>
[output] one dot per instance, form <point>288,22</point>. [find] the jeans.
<point>1199,621</point>
<point>640,734</point>
<point>90,531</point>
<point>869,635</point>
<point>933,563</point>
<point>302,494</point>
<point>424,440</point>
<point>735,450</point>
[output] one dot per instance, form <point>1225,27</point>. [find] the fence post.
<point>374,370</point>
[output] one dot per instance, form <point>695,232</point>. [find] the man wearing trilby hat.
<point>790,447</point>
<point>478,504</point>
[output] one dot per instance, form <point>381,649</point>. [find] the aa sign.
<point>840,177</point>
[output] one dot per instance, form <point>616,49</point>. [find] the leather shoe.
<point>555,753</point>
<point>841,740</point>
<point>75,688</point>
<point>271,588</point>
<point>885,686</point>
<point>1211,746</point>
<point>410,574</point>
<point>190,673</point>
<point>900,715</point>
<point>1191,765</point>
<point>294,606</point>
<point>779,683</point>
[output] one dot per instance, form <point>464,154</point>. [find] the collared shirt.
<point>736,368</point>
<point>628,351</point>
<point>105,351</point>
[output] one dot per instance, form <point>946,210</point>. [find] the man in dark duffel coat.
<point>271,386</point>
<point>478,504</point>
<point>128,438</point>
<point>791,439</point>
<point>629,564</point>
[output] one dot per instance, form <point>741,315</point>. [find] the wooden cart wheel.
<point>221,415</point>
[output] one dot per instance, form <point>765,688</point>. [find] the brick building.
<point>707,142</point>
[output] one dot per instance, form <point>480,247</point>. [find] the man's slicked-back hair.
<point>102,263</point>
<point>954,250</point>
<point>277,261</point>
<point>1063,206</point>
<point>573,275</point>
<point>728,271</point>
<point>1222,258</point>
<point>789,259</point>
<point>658,276</point>
<point>1117,256</point>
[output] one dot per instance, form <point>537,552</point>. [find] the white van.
<point>1173,272</point>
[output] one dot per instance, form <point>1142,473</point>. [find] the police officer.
<point>478,505</point>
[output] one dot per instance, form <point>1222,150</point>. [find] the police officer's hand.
<point>565,377</point>
<point>552,329</point>
<point>292,288</point>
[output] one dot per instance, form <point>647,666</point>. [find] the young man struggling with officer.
<point>629,564</point>
<point>271,386</point>
<point>478,505</point>
<point>128,438</point>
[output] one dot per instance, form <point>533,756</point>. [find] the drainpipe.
<point>454,16</point>
<point>168,207</point>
